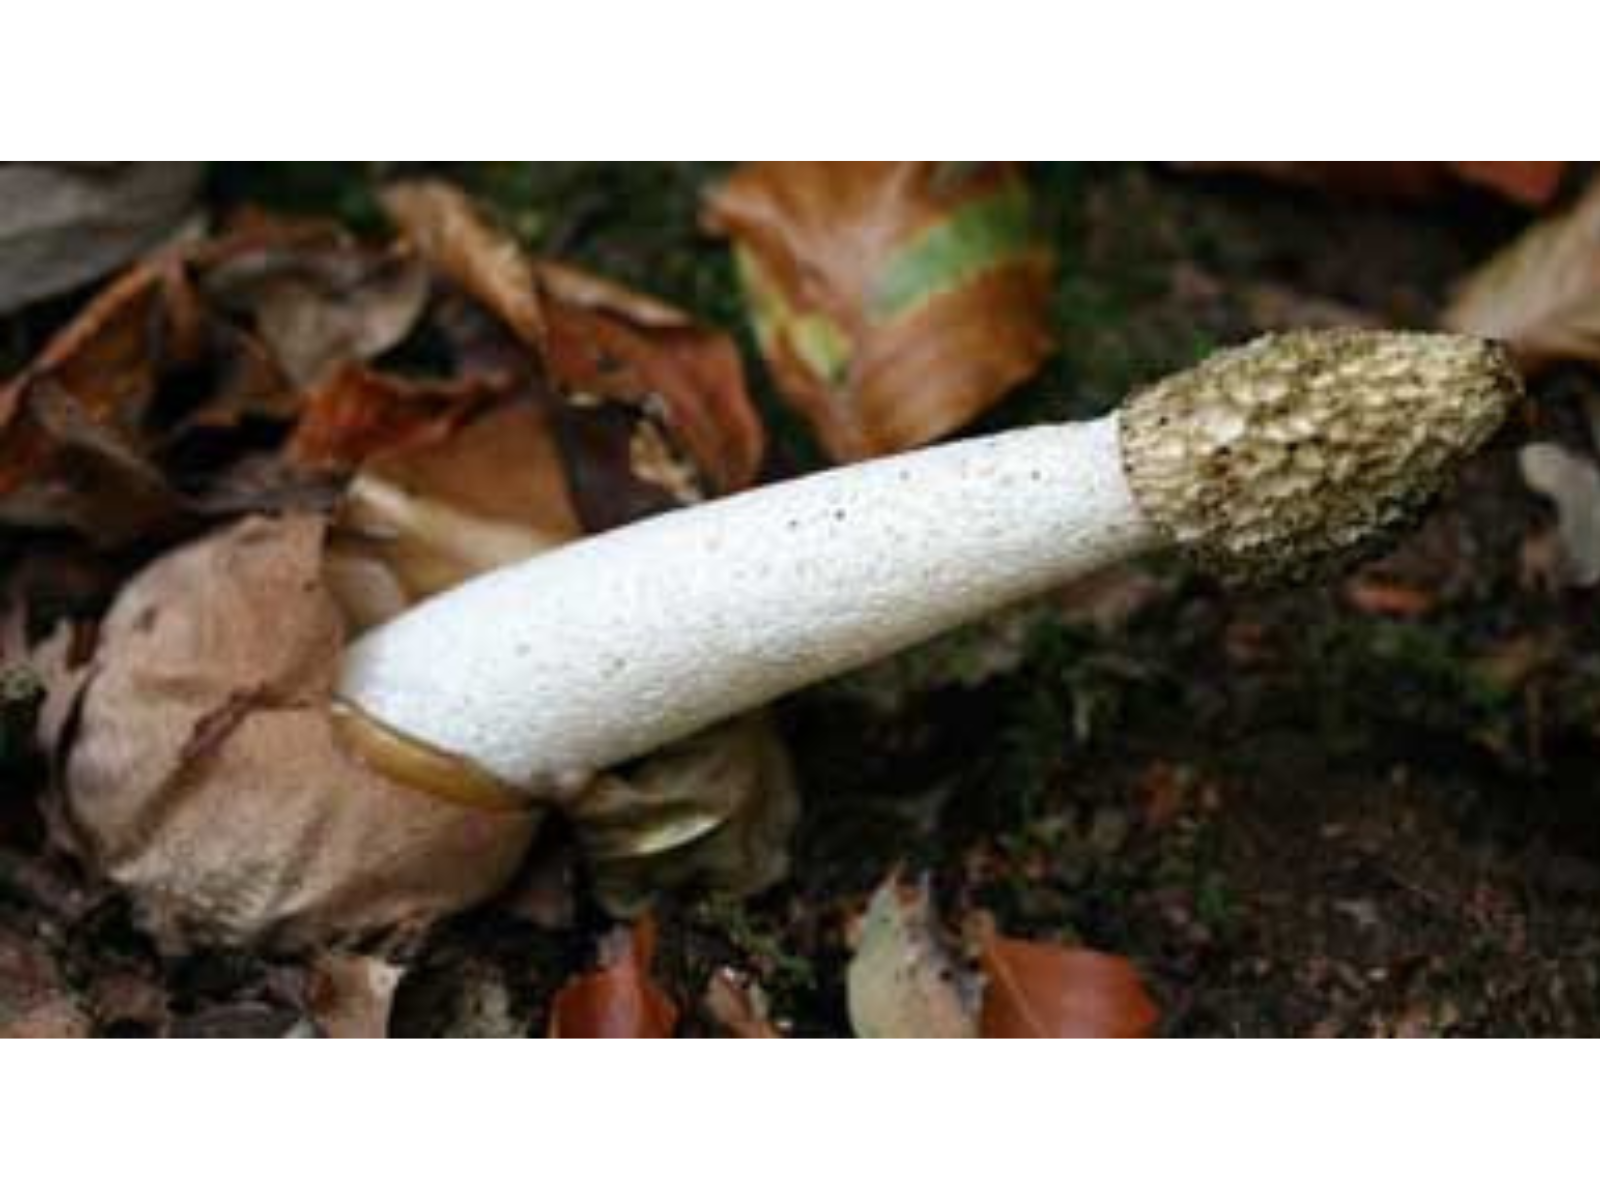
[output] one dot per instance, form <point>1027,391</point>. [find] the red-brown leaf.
<point>618,999</point>
<point>1036,990</point>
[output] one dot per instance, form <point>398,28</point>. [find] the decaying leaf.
<point>34,1000</point>
<point>1531,184</point>
<point>418,520</point>
<point>894,301</point>
<point>351,995</point>
<point>63,224</point>
<point>315,297</point>
<point>1572,483</point>
<point>1035,990</point>
<point>625,365</point>
<point>905,979</point>
<point>119,430</point>
<point>717,808</point>
<point>465,247</point>
<point>204,776</point>
<point>608,343</point>
<point>619,998</point>
<point>1541,294</point>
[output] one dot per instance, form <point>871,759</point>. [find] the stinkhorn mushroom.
<point>1293,454</point>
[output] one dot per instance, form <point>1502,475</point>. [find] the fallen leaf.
<point>351,995</point>
<point>415,521</point>
<point>455,237</point>
<point>315,297</point>
<point>357,412</point>
<point>1541,294</point>
<point>64,224</point>
<point>904,980</point>
<point>624,366</point>
<point>607,342</point>
<point>737,1005</point>
<point>34,1000</point>
<point>1035,990</point>
<point>1572,483</point>
<point>203,775</point>
<point>1386,598</point>
<point>894,301</point>
<point>717,808</point>
<point>619,998</point>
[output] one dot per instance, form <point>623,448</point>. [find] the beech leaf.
<point>1036,990</point>
<point>894,301</point>
<point>905,980</point>
<point>619,998</point>
<point>1541,294</point>
<point>1572,483</point>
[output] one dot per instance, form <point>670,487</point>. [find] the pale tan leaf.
<point>1541,294</point>
<point>904,980</point>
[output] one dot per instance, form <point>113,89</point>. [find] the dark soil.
<point>1296,813</point>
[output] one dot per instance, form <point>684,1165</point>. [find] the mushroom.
<point>1295,454</point>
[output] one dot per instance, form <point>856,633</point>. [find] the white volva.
<point>545,672</point>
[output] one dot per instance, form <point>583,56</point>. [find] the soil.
<point>1364,808</point>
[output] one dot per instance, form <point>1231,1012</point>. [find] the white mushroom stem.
<point>1292,451</point>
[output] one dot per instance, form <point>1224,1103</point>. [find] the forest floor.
<point>1361,808</point>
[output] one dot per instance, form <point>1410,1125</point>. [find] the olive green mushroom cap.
<point>1301,452</point>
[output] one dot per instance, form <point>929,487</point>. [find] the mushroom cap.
<point>1301,452</point>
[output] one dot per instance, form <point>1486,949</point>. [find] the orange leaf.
<point>1384,599</point>
<point>1042,991</point>
<point>618,999</point>
<point>895,301</point>
<point>357,412</point>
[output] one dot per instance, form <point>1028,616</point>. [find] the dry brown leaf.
<point>417,521</point>
<point>904,980</point>
<point>357,412</point>
<point>1386,598</point>
<point>607,342</point>
<point>454,236</point>
<point>1035,990</point>
<point>316,297</point>
<point>205,778</point>
<point>603,348</point>
<point>894,301</point>
<point>737,1005</point>
<point>63,224</point>
<point>1541,294</point>
<point>1572,483</point>
<point>352,995</point>
<point>717,808</point>
<point>619,998</point>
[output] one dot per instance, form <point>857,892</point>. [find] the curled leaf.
<point>315,297</point>
<point>202,774</point>
<point>717,808</point>
<point>1036,990</point>
<point>63,224</point>
<point>619,998</point>
<point>904,980</point>
<point>1541,294</point>
<point>894,301</point>
<point>1572,483</point>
